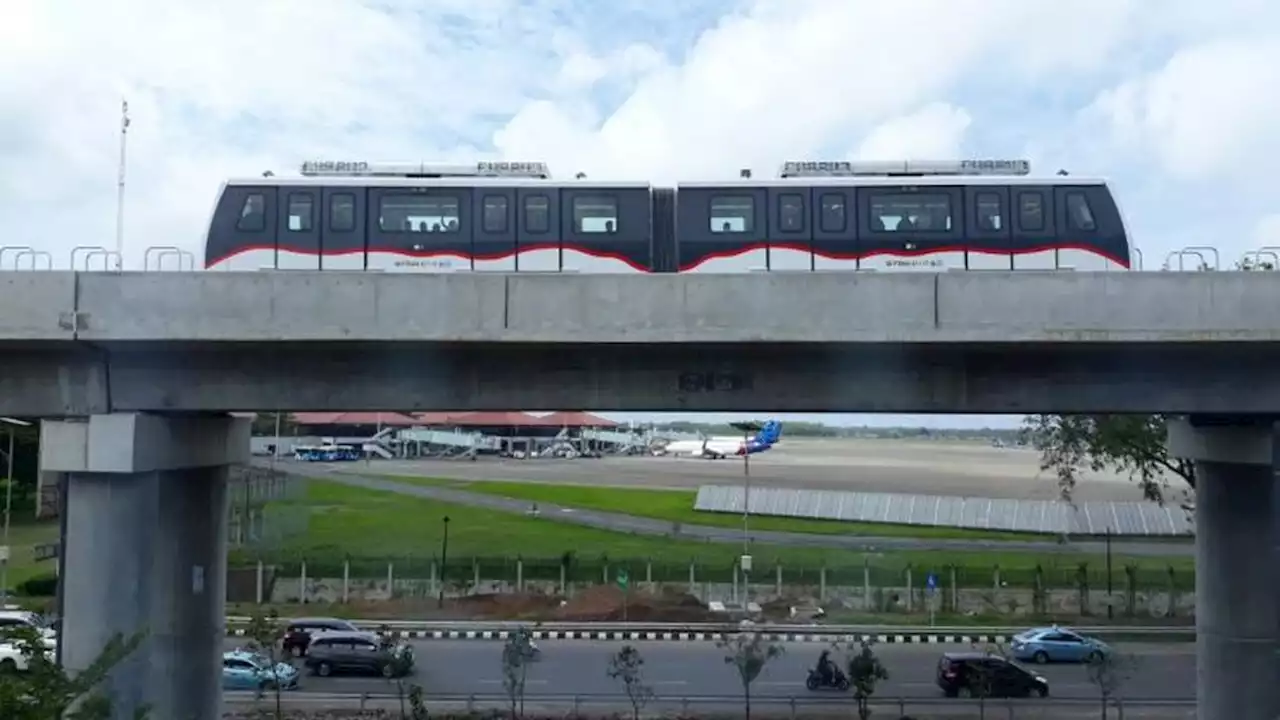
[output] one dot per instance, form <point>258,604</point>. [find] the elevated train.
<point>513,217</point>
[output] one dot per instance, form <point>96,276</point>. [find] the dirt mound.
<point>611,604</point>
<point>506,606</point>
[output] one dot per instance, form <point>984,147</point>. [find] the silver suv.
<point>358,653</point>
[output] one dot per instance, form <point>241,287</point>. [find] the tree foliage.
<point>1070,445</point>
<point>45,690</point>
<point>628,666</point>
<point>265,632</point>
<point>748,653</point>
<point>1108,672</point>
<point>516,655</point>
<point>865,673</point>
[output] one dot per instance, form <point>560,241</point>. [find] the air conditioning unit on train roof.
<point>486,168</point>
<point>893,168</point>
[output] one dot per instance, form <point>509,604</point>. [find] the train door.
<point>419,229</point>
<point>342,238</point>
<point>493,241</point>
<point>835,228</point>
<point>790,235</point>
<point>1034,241</point>
<point>609,229</point>
<point>721,229</point>
<point>911,228</point>
<point>988,238</point>
<point>298,237</point>
<point>1090,234</point>
<point>242,232</point>
<point>538,229</point>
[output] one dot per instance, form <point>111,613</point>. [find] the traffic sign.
<point>623,579</point>
<point>931,582</point>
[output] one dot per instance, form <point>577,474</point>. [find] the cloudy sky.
<point>1175,100</point>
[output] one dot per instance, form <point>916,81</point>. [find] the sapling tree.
<point>865,673</point>
<point>748,652</point>
<point>628,666</point>
<point>1109,671</point>
<point>265,632</point>
<point>45,690</point>
<point>516,654</point>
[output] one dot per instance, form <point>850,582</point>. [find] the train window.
<point>911,212</point>
<point>342,212</point>
<point>253,214</point>
<point>495,214</point>
<point>833,218</point>
<point>595,214</point>
<point>419,213</point>
<point>733,214</point>
<point>299,212</point>
<point>1030,212</point>
<point>537,214</point>
<point>990,215</point>
<point>791,212</point>
<point>1079,216</point>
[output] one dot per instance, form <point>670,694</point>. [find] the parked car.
<point>1056,644</point>
<point>358,653</point>
<point>13,659</point>
<point>984,675</point>
<point>245,670</point>
<point>300,632</point>
<point>11,618</point>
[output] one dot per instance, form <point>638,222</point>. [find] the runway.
<point>921,467</point>
<point>675,670</point>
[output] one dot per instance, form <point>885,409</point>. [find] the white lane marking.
<point>670,682</point>
<point>499,682</point>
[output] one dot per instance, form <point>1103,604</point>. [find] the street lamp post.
<point>8,503</point>
<point>444,560</point>
<point>747,428</point>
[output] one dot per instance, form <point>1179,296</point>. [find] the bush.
<point>39,586</point>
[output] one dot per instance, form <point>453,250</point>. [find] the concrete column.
<point>1237,568</point>
<point>146,551</point>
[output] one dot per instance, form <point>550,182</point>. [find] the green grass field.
<point>677,506</point>
<point>347,521</point>
<point>24,535</point>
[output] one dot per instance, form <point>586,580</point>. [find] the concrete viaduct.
<point>136,367</point>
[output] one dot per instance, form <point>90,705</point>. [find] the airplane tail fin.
<point>770,433</point>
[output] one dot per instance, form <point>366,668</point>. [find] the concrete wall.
<point>809,307</point>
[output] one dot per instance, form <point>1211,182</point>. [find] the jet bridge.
<point>449,443</point>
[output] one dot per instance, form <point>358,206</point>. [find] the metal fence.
<point>934,708</point>
<point>1038,516</point>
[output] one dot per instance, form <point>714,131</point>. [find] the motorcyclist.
<point>826,668</point>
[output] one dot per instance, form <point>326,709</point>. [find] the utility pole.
<point>120,177</point>
<point>747,428</point>
<point>1110,605</point>
<point>444,560</point>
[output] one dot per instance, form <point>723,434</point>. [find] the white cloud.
<point>1210,113</point>
<point>1174,99</point>
<point>934,131</point>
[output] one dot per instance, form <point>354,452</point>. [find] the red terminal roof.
<point>457,419</point>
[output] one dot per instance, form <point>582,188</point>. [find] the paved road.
<point>1161,671</point>
<point>646,526</point>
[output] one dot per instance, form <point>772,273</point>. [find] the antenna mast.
<point>124,136</point>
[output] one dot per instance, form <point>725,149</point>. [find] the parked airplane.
<point>718,448</point>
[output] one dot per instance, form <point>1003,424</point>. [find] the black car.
<point>983,675</point>
<point>298,635</point>
<point>358,653</point>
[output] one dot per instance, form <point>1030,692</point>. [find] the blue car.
<point>244,670</point>
<point>1056,644</point>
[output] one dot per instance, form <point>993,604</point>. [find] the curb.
<point>896,639</point>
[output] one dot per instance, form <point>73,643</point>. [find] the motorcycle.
<point>532,652</point>
<point>838,681</point>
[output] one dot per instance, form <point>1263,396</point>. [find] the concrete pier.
<point>1237,567</point>
<point>145,552</point>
